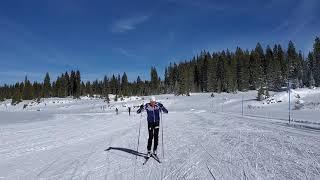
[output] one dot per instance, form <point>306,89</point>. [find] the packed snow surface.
<point>228,136</point>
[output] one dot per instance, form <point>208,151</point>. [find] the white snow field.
<point>204,138</point>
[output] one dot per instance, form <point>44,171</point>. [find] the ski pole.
<point>139,135</point>
<point>162,136</point>
<point>134,175</point>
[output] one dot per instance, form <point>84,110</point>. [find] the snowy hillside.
<point>204,138</point>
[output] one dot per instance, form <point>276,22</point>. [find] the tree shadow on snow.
<point>130,151</point>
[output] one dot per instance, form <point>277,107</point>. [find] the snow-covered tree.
<point>263,92</point>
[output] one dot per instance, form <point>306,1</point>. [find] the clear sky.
<point>101,37</point>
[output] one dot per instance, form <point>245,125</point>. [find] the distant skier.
<point>129,109</point>
<point>117,111</point>
<point>153,110</point>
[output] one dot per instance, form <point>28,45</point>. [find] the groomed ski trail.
<point>198,144</point>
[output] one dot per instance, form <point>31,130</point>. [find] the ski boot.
<point>154,153</point>
<point>149,154</point>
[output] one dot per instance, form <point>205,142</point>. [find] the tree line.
<point>70,85</point>
<point>264,70</point>
<point>271,69</point>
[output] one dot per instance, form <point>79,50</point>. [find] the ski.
<point>146,160</point>
<point>155,157</point>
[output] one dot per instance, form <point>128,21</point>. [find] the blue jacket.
<point>153,112</point>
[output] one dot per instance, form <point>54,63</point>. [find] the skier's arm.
<point>140,109</point>
<point>163,108</point>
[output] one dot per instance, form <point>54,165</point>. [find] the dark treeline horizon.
<point>269,69</point>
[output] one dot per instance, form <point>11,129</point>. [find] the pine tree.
<point>292,58</point>
<point>183,81</point>
<point>46,86</point>
<point>269,69</point>
<point>219,86</point>
<point>113,85</point>
<point>232,63</point>
<point>63,90</point>
<point>166,81</point>
<point>124,85</point>
<point>263,92</point>
<point>229,84</point>
<point>261,66</point>
<point>280,56</point>
<point>221,72</point>
<point>299,69</point>
<point>94,87</point>
<point>139,86</point>
<point>2,94</point>
<point>155,84</point>
<point>204,71</point>
<point>63,86</point>
<point>245,70</point>
<point>56,87</point>
<point>212,73</point>
<point>77,84</point>
<point>118,85</point>
<point>311,81</point>
<point>175,78</point>
<point>253,71</point>
<point>72,83</point>
<point>105,86</point>
<point>276,71</point>
<point>83,89</point>
<point>170,79</point>
<point>37,89</point>
<point>66,85</point>
<point>27,90</point>
<point>196,78</point>
<point>310,68</point>
<point>89,90</point>
<point>316,59</point>
<point>17,96</point>
<point>240,69</point>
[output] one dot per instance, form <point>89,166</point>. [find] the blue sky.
<point>101,37</point>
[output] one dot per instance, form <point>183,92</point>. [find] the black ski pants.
<point>153,129</point>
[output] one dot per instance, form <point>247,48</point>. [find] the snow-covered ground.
<point>204,138</point>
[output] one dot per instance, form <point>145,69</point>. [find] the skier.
<point>153,110</point>
<point>117,111</point>
<point>129,109</point>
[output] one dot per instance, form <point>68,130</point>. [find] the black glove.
<point>140,109</point>
<point>160,105</point>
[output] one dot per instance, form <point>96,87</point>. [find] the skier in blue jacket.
<point>153,110</point>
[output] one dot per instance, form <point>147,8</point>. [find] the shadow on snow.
<point>130,151</point>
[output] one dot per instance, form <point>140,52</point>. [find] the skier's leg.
<point>156,138</point>
<point>150,130</point>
